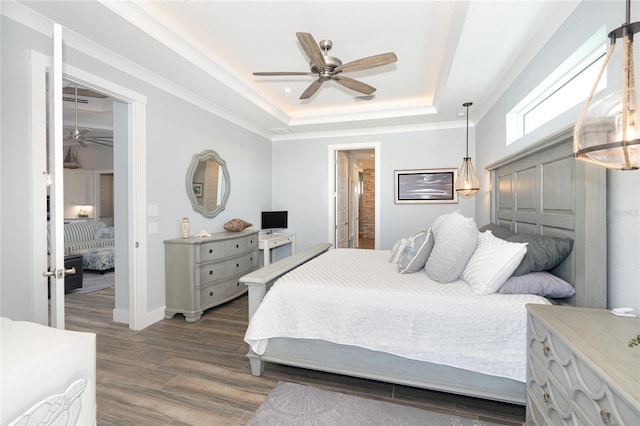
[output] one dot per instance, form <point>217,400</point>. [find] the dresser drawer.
<point>212,271</point>
<point>241,245</point>
<point>213,251</point>
<point>212,294</point>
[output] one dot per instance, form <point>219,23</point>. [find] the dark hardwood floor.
<point>178,373</point>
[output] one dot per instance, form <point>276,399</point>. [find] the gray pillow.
<point>415,253</point>
<point>454,244</point>
<point>543,252</point>
<point>540,283</point>
<point>497,230</point>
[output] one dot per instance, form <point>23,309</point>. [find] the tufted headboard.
<point>543,189</point>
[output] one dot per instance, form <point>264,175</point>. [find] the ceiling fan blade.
<point>311,90</point>
<point>352,84</point>
<point>100,142</point>
<point>311,48</point>
<point>281,73</point>
<point>368,62</point>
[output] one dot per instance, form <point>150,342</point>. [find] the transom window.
<point>567,86</point>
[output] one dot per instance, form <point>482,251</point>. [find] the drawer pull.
<point>546,398</point>
<point>238,284</point>
<point>237,245</point>
<point>605,415</point>
<point>210,272</point>
<point>546,350</point>
<point>237,265</point>
<point>210,293</point>
<point>210,251</point>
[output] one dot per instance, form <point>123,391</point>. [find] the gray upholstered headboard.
<point>543,189</point>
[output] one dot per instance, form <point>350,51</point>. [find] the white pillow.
<point>492,263</point>
<point>454,244</point>
<point>415,253</point>
<point>397,250</point>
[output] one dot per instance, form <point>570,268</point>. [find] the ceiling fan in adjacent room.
<point>81,136</point>
<point>330,68</point>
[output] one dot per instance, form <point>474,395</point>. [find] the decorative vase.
<point>185,227</point>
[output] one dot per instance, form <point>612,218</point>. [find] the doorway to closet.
<point>354,187</point>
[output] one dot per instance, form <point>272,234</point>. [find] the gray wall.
<point>305,196</point>
<point>176,130</point>
<point>623,210</point>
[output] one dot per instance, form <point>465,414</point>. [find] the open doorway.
<point>354,187</point>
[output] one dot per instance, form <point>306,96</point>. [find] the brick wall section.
<point>368,203</point>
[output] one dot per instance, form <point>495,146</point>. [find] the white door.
<point>342,221</point>
<point>354,200</point>
<point>56,271</point>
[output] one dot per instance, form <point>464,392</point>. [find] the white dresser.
<point>580,369</point>
<point>204,272</point>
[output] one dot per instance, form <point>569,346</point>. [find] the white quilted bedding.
<point>356,297</point>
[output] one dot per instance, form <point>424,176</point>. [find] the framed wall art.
<point>426,186</point>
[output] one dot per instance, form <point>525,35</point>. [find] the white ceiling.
<point>449,52</point>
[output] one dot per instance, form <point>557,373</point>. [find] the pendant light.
<point>607,132</point>
<point>467,183</point>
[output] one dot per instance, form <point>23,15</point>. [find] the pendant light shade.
<point>607,132</point>
<point>467,183</point>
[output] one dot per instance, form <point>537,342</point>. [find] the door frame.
<point>331,187</point>
<point>136,239</point>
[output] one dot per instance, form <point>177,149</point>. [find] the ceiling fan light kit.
<point>607,132</point>
<point>467,183</point>
<point>327,68</point>
<point>79,135</point>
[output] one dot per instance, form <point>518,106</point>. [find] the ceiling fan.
<point>330,68</point>
<point>79,135</point>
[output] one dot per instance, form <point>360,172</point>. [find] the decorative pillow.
<point>543,252</point>
<point>540,283</point>
<point>453,246</point>
<point>440,220</point>
<point>236,225</point>
<point>493,261</point>
<point>415,253</point>
<point>104,232</point>
<point>397,250</point>
<point>497,230</point>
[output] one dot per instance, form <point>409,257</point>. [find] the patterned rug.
<point>94,281</point>
<point>294,404</point>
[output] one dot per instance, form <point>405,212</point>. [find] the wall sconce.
<point>607,132</point>
<point>467,183</point>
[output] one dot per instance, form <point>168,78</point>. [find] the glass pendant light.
<point>467,183</point>
<point>607,132</point>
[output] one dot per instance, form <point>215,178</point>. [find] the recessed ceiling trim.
<point>370,131</point>
<point>143,18</point>
<point>341,117</point>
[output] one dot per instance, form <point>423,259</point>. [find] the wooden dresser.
<point>204,272</point>
<point>580,369</point>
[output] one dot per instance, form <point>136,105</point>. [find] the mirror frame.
<point>204,155</point>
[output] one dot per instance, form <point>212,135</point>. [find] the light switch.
<point>152,210</point>
<point>153,228</point>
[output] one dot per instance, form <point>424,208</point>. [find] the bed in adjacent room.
<point>445,309</point>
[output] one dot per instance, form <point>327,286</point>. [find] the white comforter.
<point>356,297</point>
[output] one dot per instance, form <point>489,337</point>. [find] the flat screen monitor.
<point>274,220</point>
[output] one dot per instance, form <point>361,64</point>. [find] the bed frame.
<point>543,190</point>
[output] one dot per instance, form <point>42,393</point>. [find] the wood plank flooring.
<point>179,373</point>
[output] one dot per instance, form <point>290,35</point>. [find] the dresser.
<point>204,272</point>
<point>580,369</point>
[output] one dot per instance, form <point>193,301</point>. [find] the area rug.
<point>93,281</point>
<point>300,405</point>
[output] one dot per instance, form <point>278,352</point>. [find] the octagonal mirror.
<point>208,183</point>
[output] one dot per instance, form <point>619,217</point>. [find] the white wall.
<point>305,196</point>
<point>623,188</point>
<point>176,130</point>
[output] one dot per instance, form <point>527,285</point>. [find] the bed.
<point>541,190</point>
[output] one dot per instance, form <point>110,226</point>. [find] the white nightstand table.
<point>267,242</point>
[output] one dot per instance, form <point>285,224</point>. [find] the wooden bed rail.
<point>260,280</point>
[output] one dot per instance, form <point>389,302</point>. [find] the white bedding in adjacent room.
<point>356,297</point>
